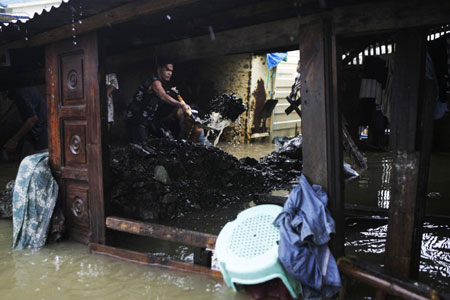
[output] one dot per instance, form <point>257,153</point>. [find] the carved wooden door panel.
<point>73,101</point>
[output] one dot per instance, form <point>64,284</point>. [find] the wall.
<point>222,74</point>
<point>259,92</point>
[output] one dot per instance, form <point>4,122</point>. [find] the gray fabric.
<point>34,198</point>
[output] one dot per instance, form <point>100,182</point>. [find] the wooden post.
<point>74,134</point>
<point>321,125</point>
<point>406,207</point>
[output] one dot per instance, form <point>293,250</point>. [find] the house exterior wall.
<point>259,92</point>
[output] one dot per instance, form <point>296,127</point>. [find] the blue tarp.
<point>34,198</point>
<point>273,59</point>
<point>305,228</point>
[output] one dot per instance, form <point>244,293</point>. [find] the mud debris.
<point>228,106</point>
<point>6,200</point>
<point>163,178</point>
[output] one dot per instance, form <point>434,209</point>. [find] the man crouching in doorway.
<point>156,110</point>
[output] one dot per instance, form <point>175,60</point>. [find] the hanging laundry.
<point>305,228</point>
<point>273,59</point>
<point>370,88</point>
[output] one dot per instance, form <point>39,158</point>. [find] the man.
<point>33,111</point>
<point>154,109</point>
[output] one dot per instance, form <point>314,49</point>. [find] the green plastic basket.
<point>247,249</point>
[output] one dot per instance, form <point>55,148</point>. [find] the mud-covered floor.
<point>164,178</point>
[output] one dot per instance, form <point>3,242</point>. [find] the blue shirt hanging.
<point>273,59</point>
<point>305,228</point>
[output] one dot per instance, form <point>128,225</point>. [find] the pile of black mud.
<point>288,158</point>
<point>163,178</point>
<point>6,200</point>
<point>228,106</point>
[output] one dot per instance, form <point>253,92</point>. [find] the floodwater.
<point>68,271</point>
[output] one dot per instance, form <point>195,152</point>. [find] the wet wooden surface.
<point>149,259</point>
<point>321,125</point>
<point>173,234</point>
<point>386,283</point>
<point>73,105</point>
<point>405,218</point>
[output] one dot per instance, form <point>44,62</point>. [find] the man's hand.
<point>186,108</point>
<point>11,145</point>
<point>175,90</point>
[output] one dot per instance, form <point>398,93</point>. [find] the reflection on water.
<point>373,183</point>
<point>435,256</point>
<point>384,193</point>
<point>373,187</point>
<point>368,242</point>
<point>367,239</point>
<point>68,271</point>
<point>255,150</point>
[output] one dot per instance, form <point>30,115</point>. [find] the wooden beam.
<point>321,125</point>
<point>389,16</point>
<point>178,235</point>
<point>333,69</point>
<point>348,20</point>
<point>313,91</point>
<point>201,17</point>
<point>404,220</point>
<point>376,277</point>
<point>354,210</point>
<point>113,16</point>
<point>284,33</point>
<point>149,259</point>
<point>425,147</point>
<point>256,37</point>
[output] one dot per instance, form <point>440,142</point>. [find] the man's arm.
<point>11,145</point>
<point>161,93</point>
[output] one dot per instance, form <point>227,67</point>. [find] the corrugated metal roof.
<point>187,20</point>
<point>5,17</point>
<point>8,2</point>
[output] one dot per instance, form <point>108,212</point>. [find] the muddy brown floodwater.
<point>68,271</point>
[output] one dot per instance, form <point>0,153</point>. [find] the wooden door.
<point>73,100</point>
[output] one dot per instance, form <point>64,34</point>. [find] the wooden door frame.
<point>89,115</point>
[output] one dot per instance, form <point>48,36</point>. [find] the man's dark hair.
<point>162,62</point>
